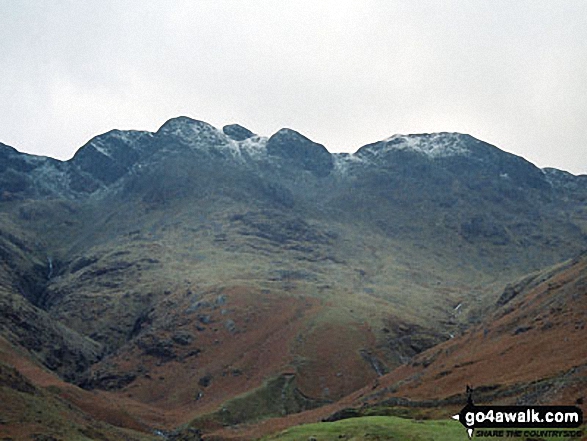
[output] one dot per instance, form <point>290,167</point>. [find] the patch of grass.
<point>385,428</point>
<point>26,411</point>
<point>380,428</point>
<point>277,397</point>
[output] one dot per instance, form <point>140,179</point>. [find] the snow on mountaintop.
<point>254,146</point>
<point>201,135</point>
<point>103,143</point>
<point>193,132</point>
<point>344,161</point>
<point>250,148</point>
<point>433,145</point>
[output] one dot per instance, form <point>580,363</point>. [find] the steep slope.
<point>529,350</point>
<point>25,270</point>
<point>196,270</point>
<point>36,404</point>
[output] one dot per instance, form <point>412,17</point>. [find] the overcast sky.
<point>343,73</point>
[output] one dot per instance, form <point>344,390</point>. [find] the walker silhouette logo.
<point>519,421</point>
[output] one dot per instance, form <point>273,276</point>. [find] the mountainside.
<point>223,277</point>
<point>529,350</point>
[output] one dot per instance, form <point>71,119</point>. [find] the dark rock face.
<point>300,151</point>
<point>23,279</point>
<point>59,349</point>
<point>478,164</point>
<point>279,229</point>
<point>25,176</point>
<point>109,156</point>
<point>182,338</point>
<point>10,377</point>
<point>205,381</point>
<point>237,132</point>
<point>187,132</point>
<point>484,228</point>
<point>156,347</point>
<point>108,381</point>
<point>10,158</point>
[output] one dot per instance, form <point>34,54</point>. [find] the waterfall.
<point>50,266</point>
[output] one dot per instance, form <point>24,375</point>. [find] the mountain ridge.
<point>402,141</point>
<point>192,131</point>
<point>197,272</point>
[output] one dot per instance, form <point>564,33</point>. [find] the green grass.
<point>384,428</point>
<point>375,428</point>
<point>276,397</point>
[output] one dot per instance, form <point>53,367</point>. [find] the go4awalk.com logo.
<point>520,421</point>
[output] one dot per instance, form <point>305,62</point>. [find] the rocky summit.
<point>201,283</point>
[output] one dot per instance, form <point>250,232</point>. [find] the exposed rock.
<point>10,377</point>
<point>205,381</point>
<point>375,362</point>
<point>157,347</point>
<point>230,325</point>
<point>110,156</point>
<point>198,305</point>
<point>108,380</point>
<point>43,437</point>
<point>182,338</point>
<point>237,132</point>
<point>480,227</point>
<point>301,152</point>
<point>204,318</point>
<point>82,263</point>
<point>513,289</point>
<point>280,229</point>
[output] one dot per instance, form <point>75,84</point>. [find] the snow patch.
<point>34,160</point>
<point>343,161</point>
<point>100,149</point>
<point>128,137</point>
<point>54,178</point>
<point>251,148</point>
<point>194,133</point>
<point>255,146</point>
<point>436,145</point>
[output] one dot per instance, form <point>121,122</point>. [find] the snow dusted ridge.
<point>435,145</point>
<point>104,143</point>
<point>252,148</point>
<point>204,137</point>
<point>201,135</point>
<point>343,162</point>
<point>193,132</point>
<point>255,147</point>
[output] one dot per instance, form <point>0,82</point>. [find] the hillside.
<point>529,350</point>
<point>221,277</point>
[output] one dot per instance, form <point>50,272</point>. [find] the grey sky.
<point>344,73</point>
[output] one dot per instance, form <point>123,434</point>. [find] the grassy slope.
<point>374,428</point>
<point>34,402</point>
<point>531,350</point>
<point>368,303</point>
<point>383,429</point>
<point>538,335</point>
